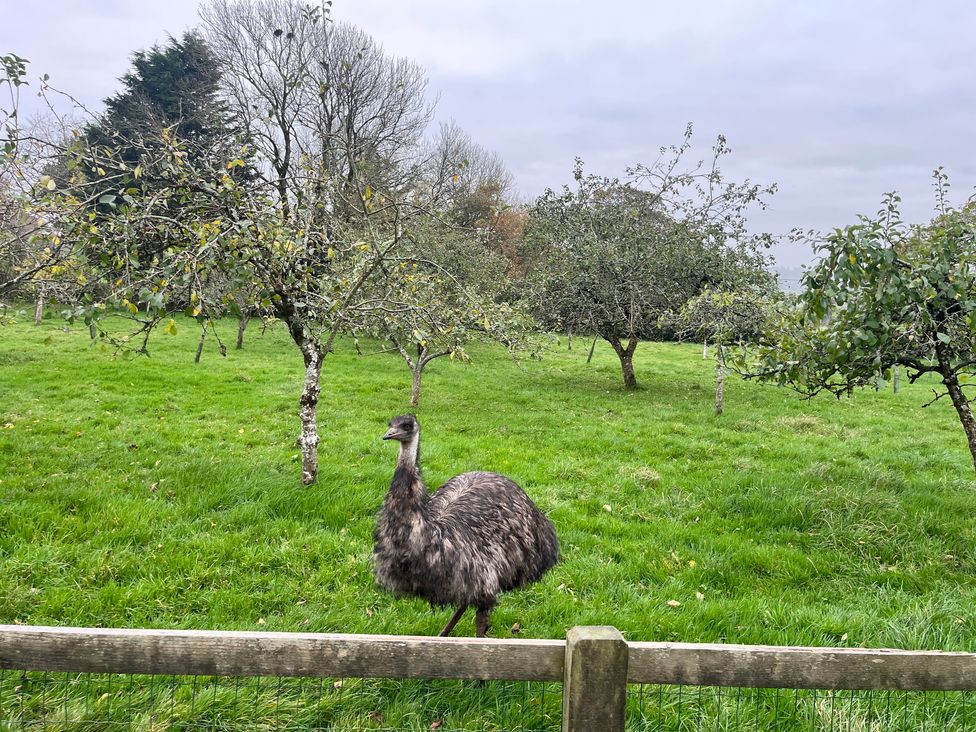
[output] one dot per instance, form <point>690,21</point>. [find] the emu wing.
<point>503,540</point>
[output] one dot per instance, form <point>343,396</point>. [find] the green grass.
<point>156,492</point>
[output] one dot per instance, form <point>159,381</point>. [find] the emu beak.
<point>390,434</point>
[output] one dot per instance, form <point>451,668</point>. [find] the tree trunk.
<point>203,335</point>
<point>965,412</point>
<point>592,348</point>
<point>895,379</point>
<point>241,325</point>
<point>569,340</point>
<point>705,350</point>
<point>92,331</point>
<point>38,307</point>
<point>415,387</point>
<point>719,381</point>
<point>626,356</point>
<point>959,400</point>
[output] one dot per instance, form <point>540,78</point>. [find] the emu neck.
<point>409,456</point>
<point>406,501</point>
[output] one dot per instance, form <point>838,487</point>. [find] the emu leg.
<point>454,620</point>
<point>482,621</point>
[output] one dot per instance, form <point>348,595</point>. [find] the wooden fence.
<point>595,664</point>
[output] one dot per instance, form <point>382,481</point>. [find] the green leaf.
<point>943,337</point>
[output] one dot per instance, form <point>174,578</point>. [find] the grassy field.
<point>161,493</point>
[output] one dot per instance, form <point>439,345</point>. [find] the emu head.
<point>406,430</point>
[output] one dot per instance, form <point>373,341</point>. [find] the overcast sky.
<point>837,102</point>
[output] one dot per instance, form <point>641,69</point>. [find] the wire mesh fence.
<point>85,701</point>
<point>685,708</point>
<point>90,702</point>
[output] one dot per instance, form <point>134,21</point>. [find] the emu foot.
<point>446,630</point>
<point>482,622</point>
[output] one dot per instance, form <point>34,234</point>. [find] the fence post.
<point>595,684</point>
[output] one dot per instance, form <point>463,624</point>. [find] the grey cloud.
<point>836,101</point>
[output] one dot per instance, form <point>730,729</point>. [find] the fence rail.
<point>594,665</point>
<point>243,653</point>
<point>785,667</point>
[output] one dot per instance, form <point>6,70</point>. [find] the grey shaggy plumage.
<point>477,536</point>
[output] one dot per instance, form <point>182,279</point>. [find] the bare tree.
<point>320,98</point>
<point>476,187</point>
<point>370,113</point>
<point>265,49</point>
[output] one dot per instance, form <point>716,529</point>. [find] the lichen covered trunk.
<point>720,381</point>
<point>312,355</point>
<point>308,406</point>
<point>38,307</point>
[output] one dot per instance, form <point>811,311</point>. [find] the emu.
<point>477,536</point>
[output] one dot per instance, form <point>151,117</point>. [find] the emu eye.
<point>407,426</point>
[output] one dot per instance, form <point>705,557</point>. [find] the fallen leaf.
<point>674,603</point>
<point>337,684</point>
<point>608,508</point>
<point>261,621</point>
<point>437,724</point>
<point>377,717</point>
<point>700,595</point>
<point>517,628</point>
